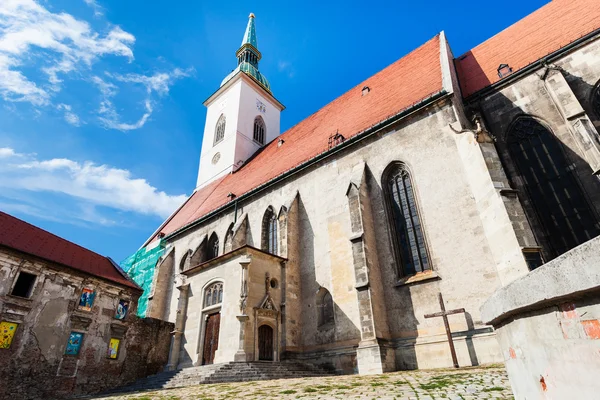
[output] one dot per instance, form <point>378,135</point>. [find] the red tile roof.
<point>546,30</point>
<point>24,237</point>
<point>409,80</point>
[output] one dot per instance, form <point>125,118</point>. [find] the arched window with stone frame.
<point>407,237</point>
<point>212,247</point>
<point>269,242</point>
<point>260,130</point>
<point>564,216</point>
<point>326,314</point>
<point>213,294</point>
<point>220,129</point>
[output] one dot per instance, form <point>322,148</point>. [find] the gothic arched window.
<point>550,181</point>
<point>259,130</point>
<point>228,245</point>
<point>212,248</point>
<point>269,231</point>
<point>407,234</point>
<point>220,129</point>
<point>325,307</point>
<point>213,294</point>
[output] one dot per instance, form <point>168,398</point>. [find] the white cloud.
<point>70,116</point>
<point>286,67</point>
<point>159,83</point>
<point>88,183</point>
<point>66,44</point>
<point>95,6</point>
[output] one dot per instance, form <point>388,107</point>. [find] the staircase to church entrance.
<point>226,372</point>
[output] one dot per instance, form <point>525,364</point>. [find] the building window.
<point>269,232</point>
<point>74,343</point>
<point>220,129</point>
<point>533,258</point>
<point>122,309</point>
<point>563,212</point>
<point>325,307</point>
<point>7,333</point>
<point>228,245</point>
<point>23,285</point>
<point>407,233</point>
<point>259,130</point>
<point>113,348</point>
<point>212,250</point>
<point>213,294</point>
<point>86,300</point>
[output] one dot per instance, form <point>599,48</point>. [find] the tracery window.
<point>562,210</point>
<point>213,294</point>
<point>407,233</point>
<point>220,129</point>
<point>269,232</point>
<point>325,307</point>
<point>259,130</point>
<point>212,249</point>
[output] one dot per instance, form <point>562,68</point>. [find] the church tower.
<point>242,115</point>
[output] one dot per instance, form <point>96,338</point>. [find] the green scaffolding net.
<point>140,267</point>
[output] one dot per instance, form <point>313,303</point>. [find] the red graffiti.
<point>568,310</point>
<point>591,328</point>
<point>512,353</point>
<point>543,383</point>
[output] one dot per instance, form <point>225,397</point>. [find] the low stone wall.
<point>548,327</point>
<point>31,376</point>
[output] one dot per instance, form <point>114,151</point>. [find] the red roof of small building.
<point>539,34</point>
<point>408,81</point>
<point>24,237</point>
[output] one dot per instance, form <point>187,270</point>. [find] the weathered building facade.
<point>330,242</point>
<point>67,319</point>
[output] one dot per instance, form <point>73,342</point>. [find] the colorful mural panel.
<point>113,348</point>
<point>7,332</point>
<point>86,301</point>
<point>74,343</point>
<point>122,309</point>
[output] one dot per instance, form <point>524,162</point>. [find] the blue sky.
<point>101,115</point>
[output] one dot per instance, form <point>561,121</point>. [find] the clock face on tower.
<point>260,106</point>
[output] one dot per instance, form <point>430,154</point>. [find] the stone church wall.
<point>35,365</point>
<point>558,103</point>
<point>464,269</point>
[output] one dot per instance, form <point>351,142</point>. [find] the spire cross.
<point>444,314</point>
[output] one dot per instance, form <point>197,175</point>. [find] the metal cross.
<point>444,314</point>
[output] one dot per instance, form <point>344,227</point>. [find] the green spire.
<point>248,57</point>
<point>250,35</point>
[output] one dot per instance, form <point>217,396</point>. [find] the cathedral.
<point>329,243</point>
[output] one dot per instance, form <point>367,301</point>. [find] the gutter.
<point>442,94</point>
<point>475,97</point>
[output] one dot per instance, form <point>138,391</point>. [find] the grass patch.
<point>356,384</point>
<point>494,389</point>
<point>437,384</point>
<point>377,384</point>
<point>343,387</point>
<point>288,391</point>
<point>310,390</point>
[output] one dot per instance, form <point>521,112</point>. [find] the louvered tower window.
<point>220,129</point>
<point>407,233</point>
<point>259,130</point>
<point>560,206</point>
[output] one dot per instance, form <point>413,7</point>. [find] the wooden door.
<point>211,338</point>
<point>265,343</point>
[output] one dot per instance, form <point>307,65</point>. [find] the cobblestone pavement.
<point>464,384</point>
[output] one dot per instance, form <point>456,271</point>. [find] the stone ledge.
<point>417,278</point>
<point>573,274</point>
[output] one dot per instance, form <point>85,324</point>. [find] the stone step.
<point>226,372</point>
